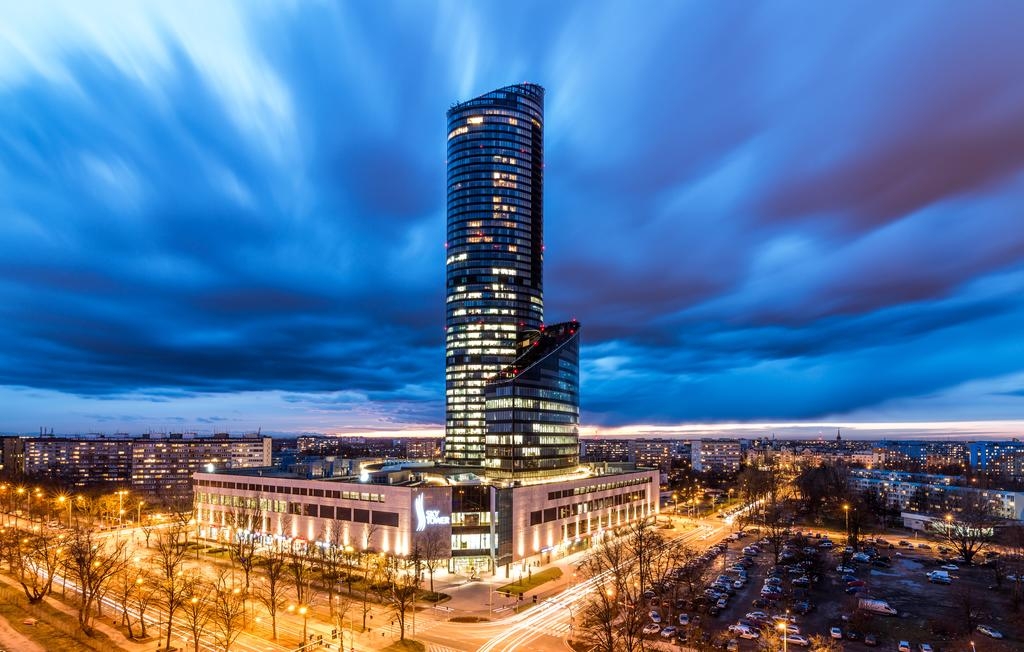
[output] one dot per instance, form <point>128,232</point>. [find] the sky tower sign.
<point>427,517</point>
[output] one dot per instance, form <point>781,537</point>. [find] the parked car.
<point>924,647</point>
<point>871,640</point>
<point>668,632</point>
<point>797,639</point>
<point>852,635</point>
<point>904,646</point>
<point>990,631</point>
<point>684,619</point>
<point>655,617</point>
<point>950,567</point>
<point>732,646</point>
<point>652,628</point>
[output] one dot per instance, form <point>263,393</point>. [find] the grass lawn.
<point>54,630</point>
<point>531,582</point>
<point>408,645</point>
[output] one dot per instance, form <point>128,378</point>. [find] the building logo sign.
<point>425,517</point>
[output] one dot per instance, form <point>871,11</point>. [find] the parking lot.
<point>822,588</point>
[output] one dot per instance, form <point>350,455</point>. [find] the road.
<point>545,626</point>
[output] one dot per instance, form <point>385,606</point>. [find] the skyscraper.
<point>495,251</point>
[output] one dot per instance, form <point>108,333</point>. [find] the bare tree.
<point>400,592</point>
<point>172,586</point>
<point>227,612</point>
<point>971,530</point>
<point>436,548</point>
<point>196,610</point>
<point>91,565</point>
<point>34,560</point>
<point>271,592</point>
<point>126,585</point>
<point>622,569</point>
<point>967,602</point>
<point>331,557</point>
<point>300,568</point>
<point>244,543</point>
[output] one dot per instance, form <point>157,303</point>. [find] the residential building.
<point>652,453</point>
<point>933,494</point>
<point>1000,459</point>
<point>423,448</point>
<point>599,449</point>
<point>155,465</point>
<point>719,456</point>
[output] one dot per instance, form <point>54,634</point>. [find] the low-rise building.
<point>933,494</point>
<point>490,524</point>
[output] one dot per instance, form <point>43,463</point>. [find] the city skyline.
<point>769,221</point>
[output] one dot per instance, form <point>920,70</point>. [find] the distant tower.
<point>495,251</point>
<point>839,438</point>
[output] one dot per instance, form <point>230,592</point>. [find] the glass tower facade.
<point>494,251</point>
<point>532,409</point>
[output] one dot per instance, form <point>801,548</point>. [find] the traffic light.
<point>520,597</point>
<point>535,599</point>
<point>334,633</point>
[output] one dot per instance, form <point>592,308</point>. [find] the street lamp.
<point>138,516</point>
<point>64,499</point>
<point>304,612</point>
<point>120,508</point>
<point>846,509</point>
<point>783,628</point>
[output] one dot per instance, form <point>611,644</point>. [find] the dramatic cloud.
<point>232,215</point>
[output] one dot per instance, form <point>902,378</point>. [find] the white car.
<point>991,632</point>
<point>668,632</point>
<point>757,615</point>
<point>797,639</point>
<point>655,617</point>
<point>951,567</point>
<point>835,632</point>
<point>904,646</point>
<point>784,618</point>
<point>684,619</point>
<point>651,628</point>
<point>744,632</point>
<point>789,629</point>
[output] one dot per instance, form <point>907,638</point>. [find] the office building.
<point>491,525</point>
<point>599,449</point>
<point>532,407</point>
<point>494,266</point>
<point>719,456</point>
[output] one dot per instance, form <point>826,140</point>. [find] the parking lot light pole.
<point>783,629</point>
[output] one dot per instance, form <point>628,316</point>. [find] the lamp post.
<point>304,612</point>
<point>783,630</point>
<point>120,508</point>
<point>846,510</point>
<point>138,516</point>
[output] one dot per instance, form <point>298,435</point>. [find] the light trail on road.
<point>525,627</point>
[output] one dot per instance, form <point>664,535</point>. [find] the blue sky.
<point>231,215</point>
